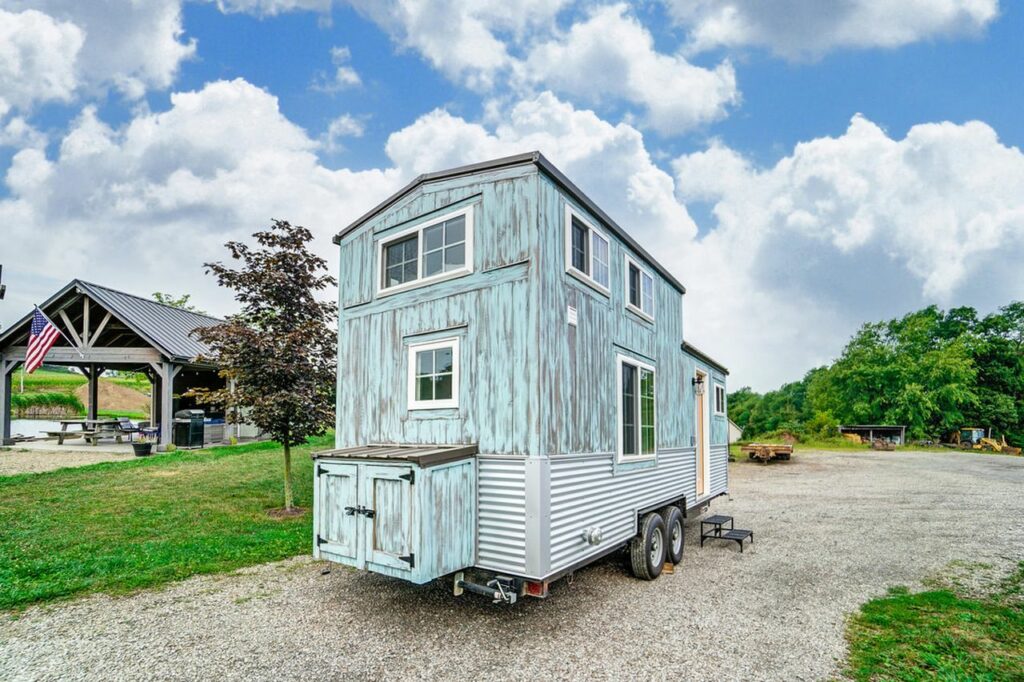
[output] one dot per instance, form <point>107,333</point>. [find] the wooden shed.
<point>496,307</point>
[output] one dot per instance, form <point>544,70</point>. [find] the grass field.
<point>43,381</point>
<point>120,526</point>
<point>939,635</point>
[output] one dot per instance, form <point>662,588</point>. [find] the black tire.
<point>647,549</point>
<point>675,533</point>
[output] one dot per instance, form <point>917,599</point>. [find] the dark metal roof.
<point>420,455</point>
<point>701,355</point>
<point>165,328</point>
<point>542,163</point>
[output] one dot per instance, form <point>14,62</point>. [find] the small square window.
<point>434,374</point>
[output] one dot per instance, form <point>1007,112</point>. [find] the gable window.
<point>636,409</point>
<point>719,399</point>
<point>639,289</point>
<point>438,249</point>
<point>434,374</point>
<point>586,251</point>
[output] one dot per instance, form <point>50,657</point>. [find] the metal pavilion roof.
<point>165,328</point>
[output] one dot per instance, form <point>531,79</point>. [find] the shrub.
<point>29,405</point>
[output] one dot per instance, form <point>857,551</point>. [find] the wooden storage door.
<point>389,533</point>
<point>337,528</point>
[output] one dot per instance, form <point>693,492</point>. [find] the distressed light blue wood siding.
<point>447,500</point>
<point>433,519</point>
<point>490,310</point>
<point>586,492</point>
<point>579,367</point>
<point>501,509</point>
<point>506,217</point>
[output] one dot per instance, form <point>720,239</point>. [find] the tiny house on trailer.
<point>515,398</point>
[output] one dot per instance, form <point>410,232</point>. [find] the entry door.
<point>338,524</point>
<point>388,532</point>
<point>700,428</point>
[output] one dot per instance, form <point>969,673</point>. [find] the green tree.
<point>278,351</point>
<point>177,301</point>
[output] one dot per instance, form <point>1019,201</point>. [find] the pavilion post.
<point>94,392</point>
<point>6,370</point>
<point>154,398</point>
<point>168,370</point>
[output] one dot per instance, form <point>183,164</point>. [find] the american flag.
<point>44,334</point>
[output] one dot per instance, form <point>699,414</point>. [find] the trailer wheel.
<point>674,533</point>
<point>647,549</point>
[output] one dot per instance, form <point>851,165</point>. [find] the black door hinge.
<point>320,470</point>
<point>411,477</point>
<point>409,559</point>
<point>320,540</point>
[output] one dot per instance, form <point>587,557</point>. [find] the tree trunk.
<point>288,477</point>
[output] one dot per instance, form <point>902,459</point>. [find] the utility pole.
<point>3,287</point>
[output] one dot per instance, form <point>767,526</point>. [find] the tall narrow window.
<point>639,289</point>
<point>580,259</point>
<point>434,374</point>
<point>637,410</point>
<point>586,251</point>
<point>628,409</point>
<point>719,399</point>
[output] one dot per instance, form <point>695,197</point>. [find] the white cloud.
<point>809,28</point>
<point>144,205</point>
<point>464,39</point>
<point>852,228</point>
<point>269,8</point>
<point>612,54</point>
<point>344,76</point>
<point>37,59</point>
<point>607,161</point>
<point>341,127</point>
<point>132,46</point>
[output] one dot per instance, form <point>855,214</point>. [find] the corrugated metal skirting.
<point>501,526</point>
<point>586,491</point>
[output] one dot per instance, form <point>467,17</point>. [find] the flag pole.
<point>77,350</point>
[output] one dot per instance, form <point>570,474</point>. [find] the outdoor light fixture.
<point>698,385</point>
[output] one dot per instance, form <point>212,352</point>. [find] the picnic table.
<point>90,429</point>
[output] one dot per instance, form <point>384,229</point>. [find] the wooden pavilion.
<point>112,329</point>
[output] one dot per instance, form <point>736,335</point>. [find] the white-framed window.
<point>587,251</point>
<point>639,289</point>
<point>436,250</point>
<point>434,374</point>
<point>637,409</point>
<point>719,399</point>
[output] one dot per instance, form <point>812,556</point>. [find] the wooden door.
<point>388,531</point>
<point>337,529</point>
<point>699,429</point>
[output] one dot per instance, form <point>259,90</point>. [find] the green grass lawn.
<point>120,526</point>
<point>938,635</point>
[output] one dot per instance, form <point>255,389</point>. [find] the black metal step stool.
<point>716,531</point>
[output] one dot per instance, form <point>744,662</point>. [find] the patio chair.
<point>126,426</point>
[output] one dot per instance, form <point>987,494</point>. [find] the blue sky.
<point>870,154</point>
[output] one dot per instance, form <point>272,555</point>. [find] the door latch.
<point>365,511</point>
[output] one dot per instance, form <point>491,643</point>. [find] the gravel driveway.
<point>26,461</point>
<point>832,530</point>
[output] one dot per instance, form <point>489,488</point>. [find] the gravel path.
<point>832,531</point>
<point>17,461</point>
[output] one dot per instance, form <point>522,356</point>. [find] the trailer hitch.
<point>498,590</point>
